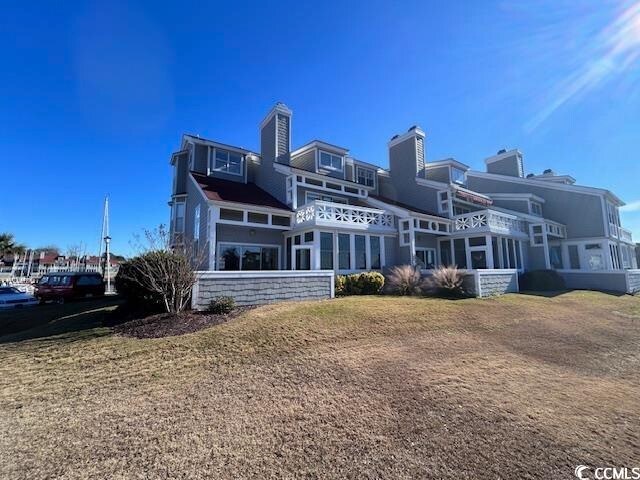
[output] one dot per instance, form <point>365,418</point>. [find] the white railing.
<point>488,220</point>
<point>626,235</point>
<point>320,212</point>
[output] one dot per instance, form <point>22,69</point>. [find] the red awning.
<point>472,197</point>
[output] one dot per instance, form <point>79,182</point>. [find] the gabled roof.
<point>404,206</point>
<point>216,189</point>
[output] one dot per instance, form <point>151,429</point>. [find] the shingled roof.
<point>220,190</point>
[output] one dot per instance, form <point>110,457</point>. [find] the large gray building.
<point>316,207</point>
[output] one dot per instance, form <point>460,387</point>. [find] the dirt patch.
<point>170,324</point>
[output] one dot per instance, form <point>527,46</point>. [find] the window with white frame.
<point>235,256</point>
<point>330,161</point>
<point>536,209</point>
<point>426,258</point>
<point>313,196</point>
<point>365,176</point>
<point>226,161</point>
<point>443,202</point>
<point>458,176</point>
<point>196,230</point>
<point>178,217</point>
<point>537,235</point>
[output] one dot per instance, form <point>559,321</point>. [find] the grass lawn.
<point>519,386</point>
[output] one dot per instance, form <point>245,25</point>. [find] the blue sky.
<point>95,95</point>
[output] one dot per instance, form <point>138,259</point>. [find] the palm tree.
<point>8,246</point>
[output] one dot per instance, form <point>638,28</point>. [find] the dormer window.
<point>536,209</point>
<point>330,161</point>
<point>458,176</point>
<point>226,162</point>
<point>364,176</point>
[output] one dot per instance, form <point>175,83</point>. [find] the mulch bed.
<point>169,324</point>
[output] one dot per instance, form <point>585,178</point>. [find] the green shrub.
<point>405,280</point>
<point>366,283</point>
<point>447,282</point>
<point>221,305</point>
<point>541,281</point>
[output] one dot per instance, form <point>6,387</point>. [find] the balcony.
<point>620,233</point>
<point>489,221</point>
<point>327,214</point>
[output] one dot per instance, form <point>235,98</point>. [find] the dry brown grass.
<point>360,387</point>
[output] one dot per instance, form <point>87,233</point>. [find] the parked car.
<point>11,297</point>
<point>66,286</point>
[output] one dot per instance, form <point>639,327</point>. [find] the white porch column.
<point>490,263</point>
<point>214,216</point>
<point>315,252</point>
<point>467,253</point>
<point>367,250</point>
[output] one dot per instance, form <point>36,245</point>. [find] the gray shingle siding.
<point>200,163</point>
<point>256,291</point>
<point>515,205</point>
<point>613,282</point>
<point>438,174</point>
<point>511,166</point>
<point>634,282</point>
<point>306,161</point>
<point>581,212</point>
<point>498,283</point>
<point>180,167</point>
<point>194,197</point>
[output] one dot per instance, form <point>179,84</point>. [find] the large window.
<point>555,257</point>
<point>365,176</point>
<point>344,251</point>
<point>574,257</point>
<point>247,257</point>
<point>460,253</point>
<point>227,162</point>
<point>326,251</point>
<point>376,258</point>
<point>458,176</point>
<point>330,161</point>
<point>361,252</point>
<point>426,258</point>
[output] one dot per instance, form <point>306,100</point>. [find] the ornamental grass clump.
<point>405,280</point>
<point>447,282</point>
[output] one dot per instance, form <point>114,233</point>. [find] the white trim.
<point>516,196</point>
<point>330,167</point>
<point>213,143</point>
<point>318,144</point>
<point>277,108</point>
<point>262,273</point>
<point>292,170</point>
<point>406,136</point>
<point>432,183</point>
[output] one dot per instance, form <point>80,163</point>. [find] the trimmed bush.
<point>221,305</point>
<point>541,281</point>
<point>405,280</point>
<point>366,283</point>
<point>447,282</point>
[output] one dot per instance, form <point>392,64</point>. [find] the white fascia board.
<point>362,163</point>
<point>213,143</point>
<point>432,183</point>
<point>204,195</point>
<point>277,108</point>
<point>448,162</point>
<point>516,196</point>
<point>263,273</point>
<point>416,132</point>
<point>502,156</point>
<point>175,154</point>
<point>322,146</point>
<point>251,206</point>
<point>551,185</point>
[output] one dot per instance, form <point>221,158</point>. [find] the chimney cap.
<point>501,151</point>
<point>548,171</point>
<point>414,127</point>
